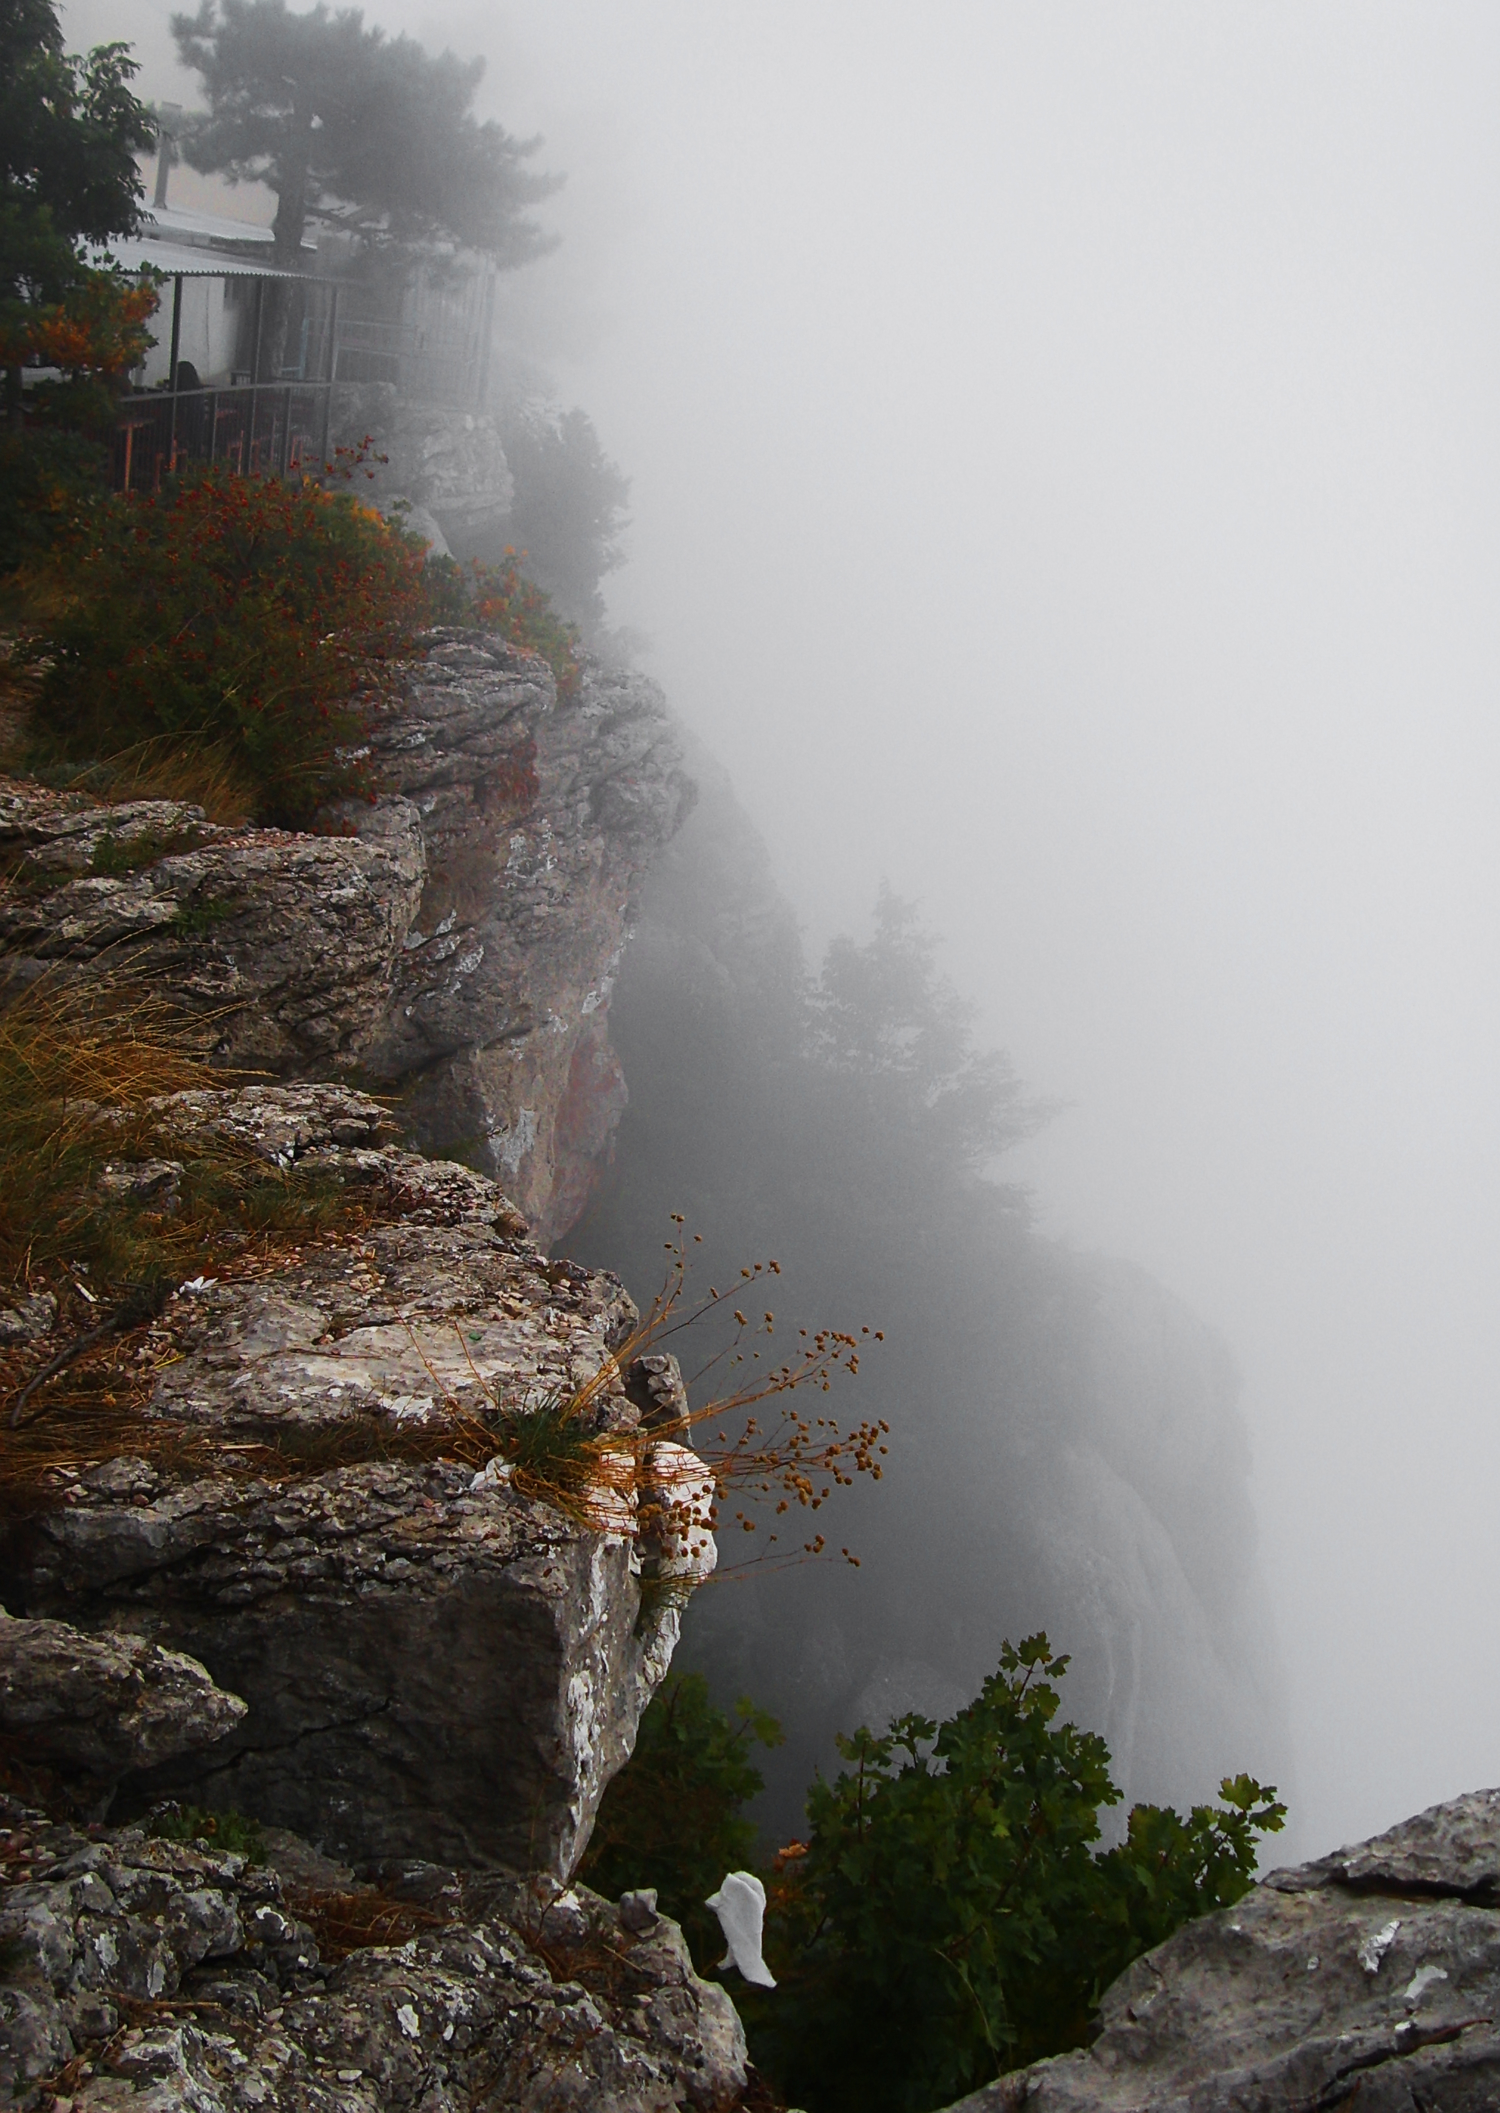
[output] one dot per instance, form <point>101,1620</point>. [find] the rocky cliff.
<point>456,947</point>
<point>260,1536</point>
<point>433,1665</point>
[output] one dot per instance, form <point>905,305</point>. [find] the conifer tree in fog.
<point>896,1038</point>
<point>357,128</point>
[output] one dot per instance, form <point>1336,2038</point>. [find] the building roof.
<point>179,260</point>
<point>190,244</point>
<point>173,223</point>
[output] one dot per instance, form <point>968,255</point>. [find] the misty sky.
<point>1066,457</point>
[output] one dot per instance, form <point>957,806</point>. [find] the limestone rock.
<point>160,1976</point>
<point>97,1706</point>
<point>434,1666</point>
<point>29,1319</point>
<point>1370,1978</point>
<point>459,942</point>
<point>538,816</point>
<point>287,942</point>
<point>436,457</point>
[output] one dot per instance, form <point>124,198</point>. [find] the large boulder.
<point>159,1975</point>
<point>1370,1978</point>
<point>306,1500</point>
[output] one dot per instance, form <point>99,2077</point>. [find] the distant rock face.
<point>1370,1978</point>
<point>161,1976</point>
<point>434,1666</point>
<point>1067,1448</point>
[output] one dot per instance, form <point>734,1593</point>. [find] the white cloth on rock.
<point>740,1905</point>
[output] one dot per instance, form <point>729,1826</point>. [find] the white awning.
<point>179,260</point>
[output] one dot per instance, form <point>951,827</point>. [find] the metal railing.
<point>257,429</point>
<point>275,419</point>
<point>434,366</point>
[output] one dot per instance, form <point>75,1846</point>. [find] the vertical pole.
<point>333,369</point>
<point>170,119</point>
<point>172,369</point>
<point>260,311</point>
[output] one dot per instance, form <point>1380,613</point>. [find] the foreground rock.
<point>434,1666</point>
<point>1370,1978</point>
<point>99,1706</point>
<point>154,1975</point>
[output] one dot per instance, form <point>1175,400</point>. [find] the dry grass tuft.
<point>188,767</point>
<point>81,1068</point>
<point>349,1922</point>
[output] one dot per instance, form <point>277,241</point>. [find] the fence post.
<point>172,370</point>
<point>332,376</point>
<point>260,310</point>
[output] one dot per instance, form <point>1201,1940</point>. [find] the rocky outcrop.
<point>98,1706</point>
<point>285,945</point>
<point>449,462</point>
<point>1369,1978</point>
<point>457,946</point>
<point>158,1975</point>
<point>310,1502</point>
<point>537,818</point>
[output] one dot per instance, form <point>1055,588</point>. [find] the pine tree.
<point>356,128</point>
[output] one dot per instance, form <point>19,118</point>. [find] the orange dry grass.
<point>186,767</point>
<point>347,1922</point>
<point>64,1055</point>
<point>609,1479</point>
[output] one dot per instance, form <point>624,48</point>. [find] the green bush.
<point>48,482</point>
<point>260,618</point>
<point>671,1819</point>
<point>950,1915</point>
<point>231,1833</point>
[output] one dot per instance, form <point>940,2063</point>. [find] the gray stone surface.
<point>449,461</point>
<point>433,1665</point>
<point>97,1706</point>
<point>287,943</point>
<point>537,818</point>
<point>1370,1978</point>
<point>457,945</point>
<point>155,1976</point>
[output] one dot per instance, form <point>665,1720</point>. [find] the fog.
<point>1066,451</point>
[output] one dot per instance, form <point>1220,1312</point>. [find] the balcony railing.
<point>260,429</point>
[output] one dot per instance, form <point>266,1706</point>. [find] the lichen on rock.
<point>159,1975</point>
<point>433,1664</point>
